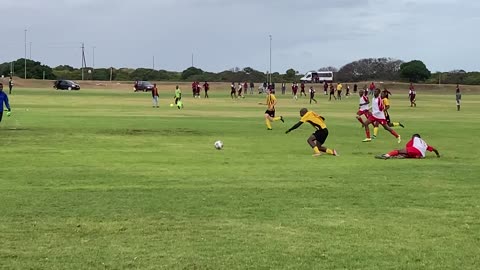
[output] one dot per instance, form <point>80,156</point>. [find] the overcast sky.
<point>221,34</point>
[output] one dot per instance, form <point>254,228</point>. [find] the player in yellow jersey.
<point>270,112</point>
<point>318,138</point>
<point>386,103</point>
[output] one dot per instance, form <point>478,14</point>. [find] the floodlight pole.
<point>270,59</point>
<point>25,58</point>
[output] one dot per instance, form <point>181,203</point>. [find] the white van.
<point>318,76</point>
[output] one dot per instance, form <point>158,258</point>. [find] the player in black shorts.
<point>233,92</point>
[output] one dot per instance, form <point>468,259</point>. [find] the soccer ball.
<point>218,145</point>
<point>171,104</point>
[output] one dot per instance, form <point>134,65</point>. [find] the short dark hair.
<point>416,135</point>
<point>303,111</point>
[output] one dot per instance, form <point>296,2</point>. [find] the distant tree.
<point>64,67</point>
<point>330,68</point>
<point>290,75</point>
<point>414,71</point>
<point>248,70</point>
<point>370,69</point>
<point>191,71</point>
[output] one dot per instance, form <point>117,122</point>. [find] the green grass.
<point>97,179</point>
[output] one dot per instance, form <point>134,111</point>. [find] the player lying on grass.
<point>415,148</point>
<point>318,138</point>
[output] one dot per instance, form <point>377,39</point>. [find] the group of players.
<point>415,148</point>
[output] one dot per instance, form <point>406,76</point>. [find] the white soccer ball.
<point>218,145</point>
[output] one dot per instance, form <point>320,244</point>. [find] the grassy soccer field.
<point>98,179</point>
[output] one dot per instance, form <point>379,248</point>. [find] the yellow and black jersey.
<point>271,101</point>
<point>386,102</point>
<point>314,119</point>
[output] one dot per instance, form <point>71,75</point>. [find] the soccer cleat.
<point>335,153</point>
<point>400,124</point>
<point>399,139</point>
<point>367,140</point>
<point>384,156</point>
<point>374,137</point>
<point>269,129</point>
<point>281,119</point>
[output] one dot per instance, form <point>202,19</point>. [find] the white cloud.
<point>228,33</point>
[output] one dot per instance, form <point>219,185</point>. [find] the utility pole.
<point>192,59</point>
<point>84,62</point>
<point>30,51</point>
<point>93,62</point>
<point>25,58</point>
<point>270,59</point>
<point>93,57</point>
<point>153,59</point>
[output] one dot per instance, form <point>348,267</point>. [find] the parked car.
<point>66,85</point>
<point>142,86</point>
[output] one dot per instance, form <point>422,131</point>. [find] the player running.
<point>178,97</point>
<point>415,148</point>
<point>312,94</point>
<point>386,102</point>
<point>318,138</point>
<point>363,108</point>
<point>412,94</point>
<point>270,112</point>
<point>378,117</point>
<point>458,97</point>
<point>294,90</point>
<point>233,92</point>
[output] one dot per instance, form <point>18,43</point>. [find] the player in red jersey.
<point>415,148</point>
<point>294,90</point>
<point>194,88</point>
<point>302,89</point>
<point>363,107</point>
<point>206,87</point>
<point>412,94</point>
<point>371,88</point>
<point>378,117</point>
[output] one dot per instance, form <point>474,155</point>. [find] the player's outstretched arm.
<point>436,152</point>
<point>297,125</point>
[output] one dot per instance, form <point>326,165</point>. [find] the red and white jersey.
<point>412,92</point>
<point>378,108</point>
<point>420,145</point>
<point>363,103</point>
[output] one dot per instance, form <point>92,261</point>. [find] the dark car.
<point>142,86</point>
<point>66,85</point>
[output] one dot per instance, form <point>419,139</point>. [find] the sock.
<point>396,124</point>
<point>269,125</point>
<point>393,153</point>
<point>375,131</point>
<point>329,151</point>
<point>360,120</point>
<point>315,149</point>
<point>394,133</point>
<point>277,118</point>
<point>367,132</point>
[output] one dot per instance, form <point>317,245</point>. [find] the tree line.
<point>369,69</point>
